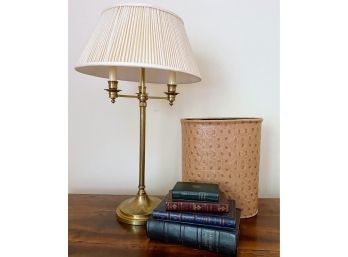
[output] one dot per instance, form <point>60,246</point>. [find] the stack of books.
<point>197,215</point>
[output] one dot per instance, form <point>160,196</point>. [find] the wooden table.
<point>94,231</point>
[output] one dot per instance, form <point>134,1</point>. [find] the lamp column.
<point>137,210</point>
<point>142,96</point>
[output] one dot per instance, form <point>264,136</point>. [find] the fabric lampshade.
<point>133,36</point>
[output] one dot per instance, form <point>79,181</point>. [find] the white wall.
<point>236,44</point>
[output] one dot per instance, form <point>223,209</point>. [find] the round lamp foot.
<point>137,209</point>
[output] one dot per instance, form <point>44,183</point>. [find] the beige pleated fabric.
<point>133,36</point>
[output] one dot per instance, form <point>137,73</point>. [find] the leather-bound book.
<point>196,191</point>
<point>198,236</point>
<point>222,206</point>
<point>223,220</point>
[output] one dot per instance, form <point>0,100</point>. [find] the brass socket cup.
<point>171,93</point>
<point>113,91</point>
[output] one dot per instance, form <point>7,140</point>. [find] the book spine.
<point>195,218</point>
<point>197,207</point>
<point>195,196</point>
<point>219,241</point>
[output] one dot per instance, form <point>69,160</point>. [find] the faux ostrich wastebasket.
<point>225,151</point>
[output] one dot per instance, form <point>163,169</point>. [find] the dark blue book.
<point>224,220</point>
<point>196,191</point>
<point>198,236</point>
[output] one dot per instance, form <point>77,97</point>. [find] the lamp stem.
<point>136,210</point>
<point>142,96</point>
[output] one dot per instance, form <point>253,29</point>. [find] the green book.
<point>196,192</point>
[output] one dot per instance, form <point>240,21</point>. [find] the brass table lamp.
<point>137,42</point>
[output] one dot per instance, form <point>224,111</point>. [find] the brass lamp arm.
<point>128,96</point>
<point>158,97</point>
<point>149,97</point>
<point>113,93</point>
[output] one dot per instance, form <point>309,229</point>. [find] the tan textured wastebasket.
<point>224,151</point>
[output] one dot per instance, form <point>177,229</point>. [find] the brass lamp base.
<point>137,209</point>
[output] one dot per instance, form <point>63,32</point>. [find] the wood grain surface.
<point>94,231</point>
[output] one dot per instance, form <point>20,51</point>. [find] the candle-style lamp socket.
<point>171,93</point>
<point>113,91</point>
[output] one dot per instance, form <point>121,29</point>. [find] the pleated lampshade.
<point>133,36</point>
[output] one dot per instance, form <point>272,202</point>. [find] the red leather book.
<point>190,206</point>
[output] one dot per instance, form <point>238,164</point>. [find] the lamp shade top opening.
<point>132,36</point>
